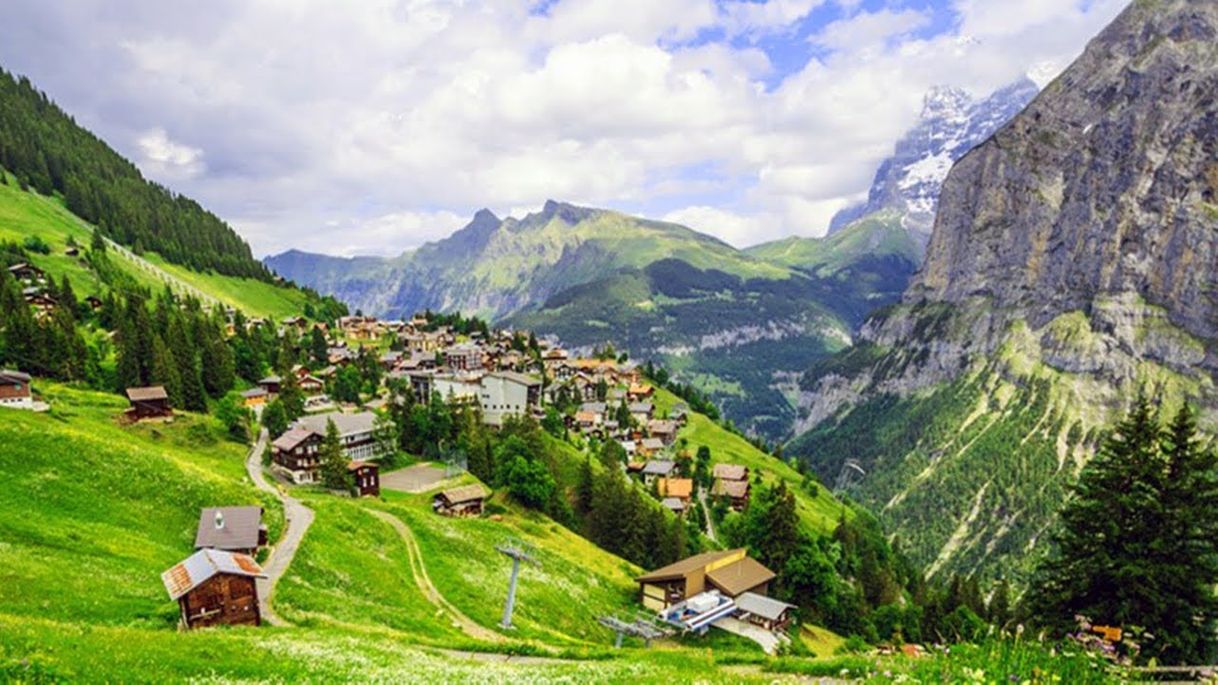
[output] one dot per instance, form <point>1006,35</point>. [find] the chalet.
<point>391,359</point>
<point>732,482</point>
<point>27,273</point>
<point>466,500</point>
<point>507,393</point>
<point>635,467</point>
<point>660,468</point>
<point>15,390</point>
<point>630,447</point>
<point>298,323</point>
<point>640,391</point>
<point>587,421</point>
<point>148,403</point>
<point>766,612</point>
<point>312,385</point>
<point>231,529</point>
<point>642,412</point>
<point>366,478</point>
<point>340,356</point>
<point>254,397</point>
<point>585,387</point>
<point>680,488</point>
<point>294,454</point>
<point>737,491</point>
<point>675,504</point>
<point>214,587</point>
<point>355,431</point>
<point>650,446</point>
<point>730,472</point>
<point>731,572</point>
<point>679,413</point>
<point>665,431</point>
<point>271,384</point>
<point>39,300</point>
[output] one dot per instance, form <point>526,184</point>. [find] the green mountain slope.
<point>28,215</point>
<point>48,151</point>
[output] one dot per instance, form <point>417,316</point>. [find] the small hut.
<point>231,529</point>
<point>366,478</point>
<point>148,403</point>
<point>214,587</point>
<point>466,500</point>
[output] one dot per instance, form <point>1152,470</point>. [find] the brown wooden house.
<point>15,389</point>
<point>466,500</point>
<point>366,478</point>
<point>767,612</point>
<point>150,402</point>
<point>214,587</point>
<point>295,454</point>
<point>732,572</point>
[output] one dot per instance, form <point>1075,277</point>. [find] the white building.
<point>507,393</point>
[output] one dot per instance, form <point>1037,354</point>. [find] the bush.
<point>35,243</point>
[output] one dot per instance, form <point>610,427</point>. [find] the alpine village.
<point>220,469</point>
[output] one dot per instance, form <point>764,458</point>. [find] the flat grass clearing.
<point>819,513</point>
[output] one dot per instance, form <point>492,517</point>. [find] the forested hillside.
<point>45,148</point>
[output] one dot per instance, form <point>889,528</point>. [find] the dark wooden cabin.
<point>149,402</point>
<point>214,587</point>
<point>366,478</point>
<point>466,500</point>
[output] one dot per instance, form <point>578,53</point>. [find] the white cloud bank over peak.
<point>371,127</point>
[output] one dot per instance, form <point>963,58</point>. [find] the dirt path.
<point>423,581</point>
<point>298,518</point>
<point>710,522</point>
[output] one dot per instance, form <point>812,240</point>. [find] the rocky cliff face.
<point>1072,263</point>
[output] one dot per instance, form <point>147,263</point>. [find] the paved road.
<point>423,581</point>
<point>298,518</point>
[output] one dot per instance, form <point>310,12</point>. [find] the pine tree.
<point>1108,563</point>
<point>333,461</point>
<point>165,371</point>
<point>584,490</point>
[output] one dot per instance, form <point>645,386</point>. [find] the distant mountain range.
<point>742,324</point>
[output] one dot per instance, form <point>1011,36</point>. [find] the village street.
<point>297,518</point>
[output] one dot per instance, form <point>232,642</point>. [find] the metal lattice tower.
<point>518,551</point>
<point>640,627</point>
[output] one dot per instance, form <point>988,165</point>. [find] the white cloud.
<point>163,157</point>
<point>371,127</point>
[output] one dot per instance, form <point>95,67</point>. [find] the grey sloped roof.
<point>660,467</point>
<point>347,424</point>
<point>240,529</point>
<point>760,605</point>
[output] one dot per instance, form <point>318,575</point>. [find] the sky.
<point>371,127</point>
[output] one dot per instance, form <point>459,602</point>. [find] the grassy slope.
<point>819,513</point>
<point>92,511</point>
<point>25,214</point>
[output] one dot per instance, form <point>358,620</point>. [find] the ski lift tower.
<point>640,627</point>
<point>518,552</point>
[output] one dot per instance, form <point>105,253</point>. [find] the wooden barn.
<point>148,403</point>
<point>214,587</point>
<point>366,478</point>
<point>767,612</point>
<point>466,500</point>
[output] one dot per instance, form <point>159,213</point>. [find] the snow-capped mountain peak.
<point>951,124</point>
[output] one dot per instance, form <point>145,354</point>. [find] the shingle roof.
<point>736,489</point>
<point>289,440</point>
<point>760,605</point>
<point>14,376</point>
<point>239,531</point>
<point>673,504</point>
<point>730,471</point>
<point>742,576</point>
<point>676,487</point>
<point>254,392</point>
<point>465,493</point>
<point>155,392</point>
<point>196,569</point>
<point>347,424</point>
<point>660,467</point>
<point>685,566</point>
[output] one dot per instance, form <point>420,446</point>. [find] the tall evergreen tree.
<point>333,462</point>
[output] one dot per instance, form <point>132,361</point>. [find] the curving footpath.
<point>423,581</point>
<point>298,518</point>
